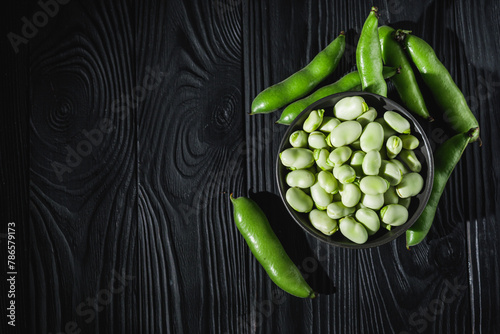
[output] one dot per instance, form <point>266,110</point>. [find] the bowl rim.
<point>424,195</point>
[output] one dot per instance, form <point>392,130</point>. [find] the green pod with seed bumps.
<point>320,220</point>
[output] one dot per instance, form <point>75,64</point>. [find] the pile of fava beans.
<point>352,171</point>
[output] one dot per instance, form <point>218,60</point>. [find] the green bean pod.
<point>369,57</point>
<point>405,83</point>
<point>441,84</point>
<point>301,82</point>
<point>267,249</point>
<point>349,82</point>
<point>445,159</point>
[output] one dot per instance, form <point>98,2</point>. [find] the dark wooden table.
<point>125,128</point>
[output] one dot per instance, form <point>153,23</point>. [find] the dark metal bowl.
<point>423,152</point>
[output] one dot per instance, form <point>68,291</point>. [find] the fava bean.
<point>371,163</point>
<point>320,220</point>
<point>374,202</point>
<point>394,145</point>
<point>317,139</point>
<point>391,172</point>
<point>339,155</point>
<point>391,197</point>
<point>372,137</point>
<point>350,195</point>
<point>344,173</point>
<point>394,214</point>
<point>300,178</point>
<point>353,230</point>
<point>411,185</point>
<point>373,185</point>
<point>299,200</point>
<point>401,166</point>
<point>337,210</point>
<point>397,122</point>
<point>297,158</point>
<point>298,139</point>
<point>345,133</point>
<point>328,182</point>
<point>367,117</point>
<point>356,163</point>
<point>321,158</point>
<point>411,160</point>
<point>329,123</point>
<point>369,219</point>
<point>350,108</point>
<point>314,120</point>
<point>320,197</point>
<point>410,142</point>
<point>388,131</point>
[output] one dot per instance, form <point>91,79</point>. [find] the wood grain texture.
<point>83,222</point>
<point>14,164</point>
<point>146,207</point>
<point>194,265</point>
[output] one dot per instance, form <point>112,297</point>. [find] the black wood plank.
<point>83,171</point>
<point>194,265</point>
<point>14,181</point>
